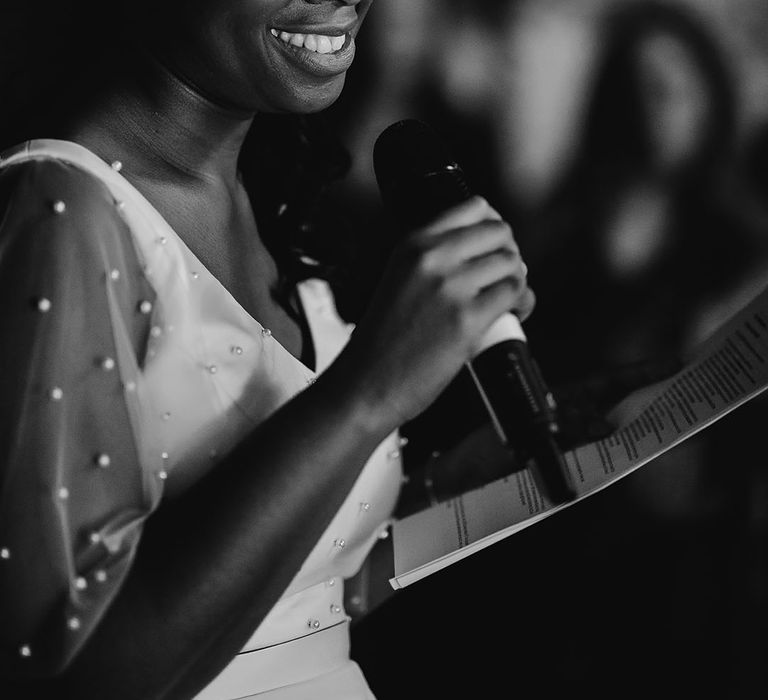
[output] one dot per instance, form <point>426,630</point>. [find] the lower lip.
<point>322,65</point>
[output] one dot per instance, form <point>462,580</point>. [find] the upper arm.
<point>72,494</point>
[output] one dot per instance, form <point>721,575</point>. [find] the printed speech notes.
<point>728,369</point>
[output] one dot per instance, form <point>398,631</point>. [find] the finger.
<point>498,266</point>
<point>610,386</point>
<point>473,211</point>
<point>639,375</point>
<point>526,303</point>
<point>505,296</point>
<point>458,246</point>
<point>656,369</point>
<point>582,430</point>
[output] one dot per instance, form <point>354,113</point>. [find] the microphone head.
<point>409,148</point>
<point>418,176</point>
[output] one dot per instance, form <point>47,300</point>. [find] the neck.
<point>162,130</point>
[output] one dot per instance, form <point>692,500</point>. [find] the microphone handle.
<point>519,402</point>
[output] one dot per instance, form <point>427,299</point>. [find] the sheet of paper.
<point>727,370</point>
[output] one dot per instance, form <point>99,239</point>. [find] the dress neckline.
<point>82,156</point>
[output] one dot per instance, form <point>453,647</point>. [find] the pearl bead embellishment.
<point>59,207</point>
<point>83,583</point>
<point>117,166</point>
<point>44,305</point>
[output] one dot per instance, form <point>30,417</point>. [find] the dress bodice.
<point>210,373</point>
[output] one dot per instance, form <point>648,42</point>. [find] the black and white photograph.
<point>383,349</point>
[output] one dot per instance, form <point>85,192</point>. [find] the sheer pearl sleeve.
<point>73,494</point>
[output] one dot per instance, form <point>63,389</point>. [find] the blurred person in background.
<point>642,208</point>
<point>637,246</point>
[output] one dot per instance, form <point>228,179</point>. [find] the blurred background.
<point>627,144</point>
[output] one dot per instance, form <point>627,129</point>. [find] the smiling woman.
<point>194,454</point>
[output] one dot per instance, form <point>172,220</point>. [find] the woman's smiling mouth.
<point>323,55</point>
<point>318,43</point>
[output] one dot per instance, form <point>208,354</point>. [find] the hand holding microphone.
<point>444,285</point>
<point>420,184</point>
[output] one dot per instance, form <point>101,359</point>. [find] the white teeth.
<point>324,44</point>
<point>317,43</point>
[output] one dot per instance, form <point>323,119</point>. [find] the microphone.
<point>418,179</point>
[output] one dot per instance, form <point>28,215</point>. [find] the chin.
<point>309,99</point>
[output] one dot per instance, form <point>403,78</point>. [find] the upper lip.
<point>320,29</point>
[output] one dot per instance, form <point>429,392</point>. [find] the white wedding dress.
<point>209,373</point>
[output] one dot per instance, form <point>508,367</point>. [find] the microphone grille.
<point>409,149</point>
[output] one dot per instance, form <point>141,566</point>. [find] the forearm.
<point>214,561</point>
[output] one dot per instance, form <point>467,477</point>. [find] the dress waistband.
<point>295,661</point>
